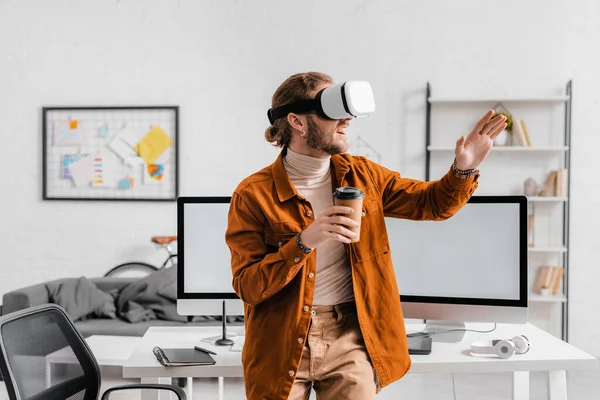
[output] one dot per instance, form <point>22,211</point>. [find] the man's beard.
<point>315,139</point>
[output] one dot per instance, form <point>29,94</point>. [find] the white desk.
<point>547,353</point>
<point>143,364</point>
<point>110,351</point>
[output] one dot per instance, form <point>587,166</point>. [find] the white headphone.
<point>502,348</point>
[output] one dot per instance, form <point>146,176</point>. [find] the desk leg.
<point>520,385</point>
<point>221,388</point>
<point>557,385</point>
<point>190,386</point>
<point>156,394</point>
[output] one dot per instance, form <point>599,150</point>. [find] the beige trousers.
<point>334,360</point>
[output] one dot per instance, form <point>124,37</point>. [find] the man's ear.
<point>297,121</point>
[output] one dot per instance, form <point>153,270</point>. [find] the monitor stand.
<point>224,340</point>
<point>456,328</point>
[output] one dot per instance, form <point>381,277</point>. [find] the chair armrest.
<point>178,391</point>
<point>23,298</point>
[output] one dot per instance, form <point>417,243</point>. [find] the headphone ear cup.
<point>521,344</point>
<point>505,349</point>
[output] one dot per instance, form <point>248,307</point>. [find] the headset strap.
<point>299,106</point>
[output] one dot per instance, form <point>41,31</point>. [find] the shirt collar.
<point>283,186</point>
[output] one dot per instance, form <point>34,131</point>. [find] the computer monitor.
<point>204,278</point>
<point>471,267</point>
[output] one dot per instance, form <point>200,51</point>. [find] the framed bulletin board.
<point>111,153</point>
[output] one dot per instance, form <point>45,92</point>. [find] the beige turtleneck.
<point>312,179</point>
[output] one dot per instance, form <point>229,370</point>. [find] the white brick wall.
<point>220,61</point>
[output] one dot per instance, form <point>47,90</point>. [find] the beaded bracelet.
<point>301,246</point>
<point>462,171</point>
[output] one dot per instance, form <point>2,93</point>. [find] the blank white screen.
<point>474,254</point>
<point>207,259</point>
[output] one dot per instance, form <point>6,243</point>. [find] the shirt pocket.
<point>278,239</point>
<point>373,240</point>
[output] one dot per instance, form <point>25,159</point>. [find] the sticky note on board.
<point>153,174</point>
<point>82,171</point>
<point>66,135</point>
<point>98,177</point>
<point>68,159</point>
<point>126,152</point>
<point>73,124</point>
<point>126,183</point>
<point>156,171</point>
<point>104,170</point>
<point>104,131</point>
<point>153,144</point>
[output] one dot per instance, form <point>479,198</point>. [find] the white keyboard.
<point>238,344</point>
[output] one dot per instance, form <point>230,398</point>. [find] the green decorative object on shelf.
<point>505,137</point>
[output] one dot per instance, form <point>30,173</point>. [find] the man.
<point>322,312</point>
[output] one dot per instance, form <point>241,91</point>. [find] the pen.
<point>205,350</point>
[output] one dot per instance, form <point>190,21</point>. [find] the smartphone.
<point>419,345</point>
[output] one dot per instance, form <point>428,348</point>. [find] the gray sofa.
<point>40,294</point>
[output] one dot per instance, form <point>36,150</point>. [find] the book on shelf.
<point>556,183</point>
<point>530,221</point>
<point>549,278</point>
<point>520,133</point>
<point>525,132</point>
<point>561,183</point>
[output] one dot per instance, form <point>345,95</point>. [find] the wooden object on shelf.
<point>550,187</point>
<point>547,278</point>
<point>557,279</point>
<point>524,126</point>
<point>530,221</point>
<point>556,183</point>
<point>561,183</point>
<point>520,134</point>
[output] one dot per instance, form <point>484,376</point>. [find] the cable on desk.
<point>429,334</point>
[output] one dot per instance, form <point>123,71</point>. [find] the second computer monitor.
<point>470,267</point>
<point>204,278</point>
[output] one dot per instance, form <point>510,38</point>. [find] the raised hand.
<point>329,226</point>
<point>470,151</point>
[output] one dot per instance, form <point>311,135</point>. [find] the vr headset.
<point>351,99</point>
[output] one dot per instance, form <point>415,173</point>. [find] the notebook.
<point>182,357</point>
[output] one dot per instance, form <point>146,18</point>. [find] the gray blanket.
<point>149,298</point>
<point>152,297</point>
<point>81,298</point>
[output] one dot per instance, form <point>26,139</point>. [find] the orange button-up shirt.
<point>276,280</point>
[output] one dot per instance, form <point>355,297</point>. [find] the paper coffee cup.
<point>352,197</point>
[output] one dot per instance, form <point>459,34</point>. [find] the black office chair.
<point>31,340</point>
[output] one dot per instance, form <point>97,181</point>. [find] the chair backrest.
<point>43,356</point>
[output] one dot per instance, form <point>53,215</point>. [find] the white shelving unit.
<point>509,149</point>
<point>547,199</point>
<point>541,298</point>
<point>546,99</point>
<point>548,249</point>
<point>538,254</point>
